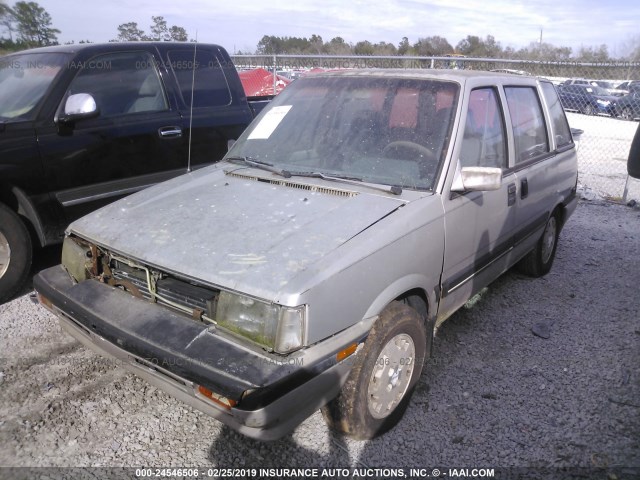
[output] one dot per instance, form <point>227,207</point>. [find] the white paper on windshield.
<point>269,122</point>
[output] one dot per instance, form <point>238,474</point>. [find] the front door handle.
<point>524,188</point>
<point>511,194</point>
<point>170,132</point>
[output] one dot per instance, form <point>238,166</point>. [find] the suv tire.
<point>15,253</point>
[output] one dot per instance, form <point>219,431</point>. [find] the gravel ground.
<point>494,395</point>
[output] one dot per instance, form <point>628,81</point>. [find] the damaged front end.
<point>272,327</point>
<point>84,261</point>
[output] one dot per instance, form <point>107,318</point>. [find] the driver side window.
<point>484,141</point>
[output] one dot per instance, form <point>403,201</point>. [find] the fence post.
<point>274,74</point>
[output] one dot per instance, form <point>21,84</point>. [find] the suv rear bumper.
<point>274,394</point>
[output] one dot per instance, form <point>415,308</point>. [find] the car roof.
<point>434,74</point>
<point>109,47</point>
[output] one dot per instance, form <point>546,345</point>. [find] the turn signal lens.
<point>350,350</point>
<point>218,399</point>
<point>45,302</point>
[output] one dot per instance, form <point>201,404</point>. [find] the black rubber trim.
<point>565,148</point>
<point>175,342</point>
<point>451,284</point>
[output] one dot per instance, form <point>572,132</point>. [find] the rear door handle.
<point>170,132</point>
<point>511,194</point>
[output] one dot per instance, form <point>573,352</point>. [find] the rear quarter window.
<point>559,124</point>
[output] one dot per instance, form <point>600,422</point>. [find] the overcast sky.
<point>241,24</point>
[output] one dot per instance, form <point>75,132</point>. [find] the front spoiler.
<point>284,394</point>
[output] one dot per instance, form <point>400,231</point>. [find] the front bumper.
<point>176,354</point>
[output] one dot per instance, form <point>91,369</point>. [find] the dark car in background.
<point>629,86</point>
<point>587,99</point>
<point>609,86</point>
<point>628,107</point>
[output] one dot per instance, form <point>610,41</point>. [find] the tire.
<point>626,114</point>
<point>588,109</point>
<point>393,351</point>
<point>15,253</point>
<point>538,262</point>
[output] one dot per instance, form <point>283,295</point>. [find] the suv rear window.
<point>205,75</point>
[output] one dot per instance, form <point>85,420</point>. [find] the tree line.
<point>28,25</point>
<point>433,46</point>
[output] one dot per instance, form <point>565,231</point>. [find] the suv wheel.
<point>383,377</point>
<point>15,253</point>
<point>588,109</point>
<point>538,262</point>
<point>626,114</point>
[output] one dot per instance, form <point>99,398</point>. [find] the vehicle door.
<point>543,158</point>
<point>479,225</point>
<point>206,97</point>
<point>134,141</point>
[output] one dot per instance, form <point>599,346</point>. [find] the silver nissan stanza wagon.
<point>312,266</point>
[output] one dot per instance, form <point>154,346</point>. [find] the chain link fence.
<point>601,99</point>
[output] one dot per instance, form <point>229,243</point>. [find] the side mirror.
<point>633,162</point>
<point>576,133</point>
<point>77,107</point>
<point>477,179</point>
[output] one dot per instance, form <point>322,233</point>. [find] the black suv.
<point>83,125</point>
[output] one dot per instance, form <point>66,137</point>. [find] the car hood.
<point>240,230</point>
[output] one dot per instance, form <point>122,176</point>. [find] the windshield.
<point>605,85</point>
<point>24,79</point>
<point>387,131</point>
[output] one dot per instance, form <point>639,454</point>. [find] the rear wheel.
<point>588,109</point>
<point>539,261</point>
<point>626,114</point>
<point>15,253</point>
<point>383,377</point>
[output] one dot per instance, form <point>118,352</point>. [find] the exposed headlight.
<point>275,327</point>
<point>604,103</point>
<point>76,258</point>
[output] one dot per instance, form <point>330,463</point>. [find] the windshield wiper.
<point>261,165</point>
<point>269,167</point>
<point>394,189</point>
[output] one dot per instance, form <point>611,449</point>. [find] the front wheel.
<point>626,114</point>
<point>15,253</point>
<point>588,109</point>
<point>538,262</point>
<point>383,377</point>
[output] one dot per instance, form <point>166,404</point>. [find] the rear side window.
<point>559,122</point>
<point>210,87</point>
<point>527,120</point>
